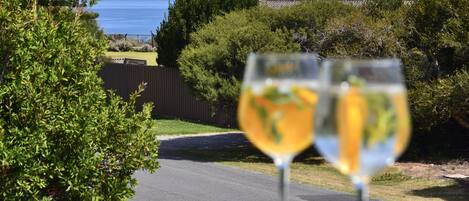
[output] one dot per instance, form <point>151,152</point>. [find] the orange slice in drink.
<point>352,114</point>
<point>403,123</point>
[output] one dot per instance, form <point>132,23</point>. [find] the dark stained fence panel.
<point>166,89</point>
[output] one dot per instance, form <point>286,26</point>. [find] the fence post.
<point>152,39</point>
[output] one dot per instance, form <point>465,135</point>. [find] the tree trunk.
<point>462,119</point>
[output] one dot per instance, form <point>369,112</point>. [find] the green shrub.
<point>437,102</point>
<point>310,14</point>
<point>214,61</point>
<point>124,45</point>
<point>144,48</point>
<point>62,137</point>
<point>68,3</point>
<point>120,46</point>
<point>306,20</point>
<point>376,8</point>
<point>213,64</point>
<point>359,36</point>
<point>88,19</point>
<point>430,36</point>
<point>440,30</point>
<point>184,17</point>
<point>439,35</point>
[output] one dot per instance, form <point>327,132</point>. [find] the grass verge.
<point>149,56</point>
<point>177,127</point>
<point>309,168</point>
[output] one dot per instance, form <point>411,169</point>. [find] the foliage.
<point>144,48</point>
<point>184,17</point>
<point>88,19</point>
<point>306,20</point>
<point>439,34</point>
<point>213,64</point>
<point>440,100</point>
<point>376,8</point>
<point>440,30</point>
<point>62,137</point>
<point>359,36</point>
<point>310,14</point>
<point>430,36</point>
<point>69,3</point>
<point>122,45</point>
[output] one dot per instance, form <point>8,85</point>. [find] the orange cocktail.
<point>278,121</point>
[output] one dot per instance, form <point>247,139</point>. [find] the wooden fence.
<point>165,88</point>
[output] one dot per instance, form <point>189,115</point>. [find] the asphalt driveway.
<point>181,178</point>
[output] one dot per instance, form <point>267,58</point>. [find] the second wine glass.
<point>276,107</point>
<point>362,121</point>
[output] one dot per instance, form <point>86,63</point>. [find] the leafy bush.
<point>122,45</point>
<point>310,14</point>
<point>440,30</point>
<point>376,8</point>
<point>184,16</point>
<point>213,64</point>
<point>357,35</point>
<point>306,20</point>
<point>68,3</point>
<point>62,137</point>
<point>144,48</point>
<point>430,36</point>
<point>440,100</point>
<point>89,22</point>
<point>87,17</point>
<point>439,34</point>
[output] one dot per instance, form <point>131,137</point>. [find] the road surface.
<point>185,179</point>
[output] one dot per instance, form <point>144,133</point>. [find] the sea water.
<point>131,17</point>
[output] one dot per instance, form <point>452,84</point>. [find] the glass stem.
<point>283,165</point>
<point>361,184</point>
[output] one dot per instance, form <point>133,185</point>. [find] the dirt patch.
<point>434,171</point>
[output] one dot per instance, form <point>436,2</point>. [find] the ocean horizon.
<point>130,17</point>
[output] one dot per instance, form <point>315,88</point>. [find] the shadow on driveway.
<point>223,148</point>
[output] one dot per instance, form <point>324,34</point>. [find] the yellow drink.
<point>278,122</point>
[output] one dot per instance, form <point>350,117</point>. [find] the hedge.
<point>430,36</point>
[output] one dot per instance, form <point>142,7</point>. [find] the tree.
<point>184,17</point>
<point>439,33</point>
<point>213,63</point>
<point>376,8</point>
<point>68,3</point>
<point>359,36</point>
<point>62,137</point>
<point>440,30</point>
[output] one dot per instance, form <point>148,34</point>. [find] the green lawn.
<point>149,56</point>
<point>175,127</point>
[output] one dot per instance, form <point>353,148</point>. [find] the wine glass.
<point>362,121</point>
<point>276,107</point>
